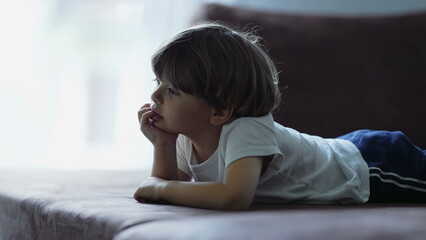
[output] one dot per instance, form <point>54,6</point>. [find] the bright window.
<point>73,76</point>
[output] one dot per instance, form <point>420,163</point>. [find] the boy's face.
<point>179,113</point>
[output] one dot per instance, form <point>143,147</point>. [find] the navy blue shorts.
<point>397,166</point>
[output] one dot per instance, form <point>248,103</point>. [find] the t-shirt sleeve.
<point>249,137</point>
<point>183,155</point>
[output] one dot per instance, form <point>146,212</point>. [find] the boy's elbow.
<point>237,203</point>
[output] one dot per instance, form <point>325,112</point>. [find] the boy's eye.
<point>172,91</point>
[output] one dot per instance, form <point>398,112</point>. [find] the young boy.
<point>217,146</point>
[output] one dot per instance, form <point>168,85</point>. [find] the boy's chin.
<point>164,128</point>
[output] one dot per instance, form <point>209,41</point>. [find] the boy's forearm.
<point>165,165</point>
<point>236,192</point>
<point>204,195</point>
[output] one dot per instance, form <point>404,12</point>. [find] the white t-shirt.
<point>304,168</point>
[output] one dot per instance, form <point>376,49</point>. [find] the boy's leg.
<point>397,167</point>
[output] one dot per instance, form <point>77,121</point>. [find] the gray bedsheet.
<point>46,204</point>
<point>64,205</point>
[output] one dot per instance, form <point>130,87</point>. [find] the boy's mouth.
<point>155,118</point>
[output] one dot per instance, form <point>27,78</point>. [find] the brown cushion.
<point>340,74</point>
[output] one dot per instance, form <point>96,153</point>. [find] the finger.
<point>142,110</point>
<point>146,105</point>
<point>138,198</point>
<point>146,119</point>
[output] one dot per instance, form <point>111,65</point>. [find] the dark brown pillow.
<point>340,74</point>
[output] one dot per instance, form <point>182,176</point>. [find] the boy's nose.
<point>156,96</point>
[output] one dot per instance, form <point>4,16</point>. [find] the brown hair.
<point>228,69</point>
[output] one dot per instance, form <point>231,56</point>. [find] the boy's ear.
<point>221,116</point>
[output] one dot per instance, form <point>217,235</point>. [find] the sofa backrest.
<point>340,74</point>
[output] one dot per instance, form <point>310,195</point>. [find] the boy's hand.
<point>149,189</point>
<point>155,135</point>
<point>164,165</point>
